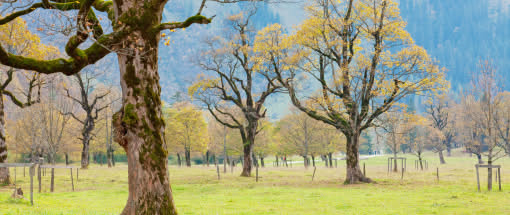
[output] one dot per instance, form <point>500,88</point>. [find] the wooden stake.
<point>402,173</point>
<point>39,176</point>
<point>477,178</point>
<point>72,181</point>
<point>437,173</point>
<point>364,171</point>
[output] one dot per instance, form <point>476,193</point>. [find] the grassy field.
<point>281,191</point>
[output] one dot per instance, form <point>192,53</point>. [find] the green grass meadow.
<point>281,190</point>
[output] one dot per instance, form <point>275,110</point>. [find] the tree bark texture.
<point>354,174</point>
<point>187,156</point>
<point>139,127</point>
<point>248,142</point>
<point>4,171</point>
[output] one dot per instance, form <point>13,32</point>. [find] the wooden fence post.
<point>437,173</point>
<point>72,181</point>
<point>52,183</point>
<point>39,176</point>
<point>477,178</point>
<point>402,173</point>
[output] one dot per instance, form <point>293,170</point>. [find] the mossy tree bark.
<point>4,171</point>
<point>138,125</point>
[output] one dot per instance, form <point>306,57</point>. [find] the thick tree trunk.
<point>262,162</point>
<point>395,163</point>
<point>248,148</point>
<point>489,176</point>
<point>207,157</point>
<point>109,157</point>
<point>441,157</point>
<point>100,157</point>
<point>113,158</point>
<point>354,174</point>
<point>139,126</point>
<point>179,162</point>
<point>313,160</point>
<point>305,161</point>
<point>4,171</point>
<point>247,162</point>
<point>330,155</point>
<point>85,152</point>
<point>325,159</point>
<point>255,160</point>
<point>67,159</point>
<point>187,155</point>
